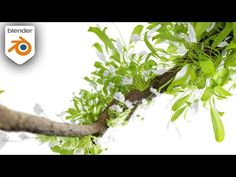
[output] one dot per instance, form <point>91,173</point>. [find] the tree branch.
<point>11,120</point>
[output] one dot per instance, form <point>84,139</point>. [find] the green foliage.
<point>72,145</point>
<point>200,28</point>
<point>105,39</point>
<point>117,118</point>
<point>234,30</point>
<point>207,65</point>
<point>217,124</point>
<point>180,102</point>
<point>222,35</point>
<point>205,53</point>
<point>118,71</point>
<point>178,113</point>
<point>207,94</point>
<point>87,106</point>
<point>181,79</point>
<point>231,60</point>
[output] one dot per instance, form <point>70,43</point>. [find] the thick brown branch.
<point>18,121</point>
<point>11,120</point>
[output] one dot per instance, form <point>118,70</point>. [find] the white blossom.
<point>129,104</point>
<point>85,108</point>
<point>182,35</point>
<point>154,91</point>
<point>105,73</point>
<point>79,152</point>
<point>127,81</point>
<point>224,53</point>
<point>110,85</point>
<point>195,107</point>
<point>182,50</point>
<point>23,136</point>
<point>91,102</point>
<point>111,138</point>
<point>146,72</point>
<point>112,70</point>
<point>144,102</point>
<point>80,95</point>
<point>101,56</point>
<point>61,114</point>
<point>135,37</point>
<point>223,44</point>
<point>159,71</point>
<point>53,143</point>
<point>130,54</point>
<point>211,27</point>
<point>38,109</point>
<point>3,139</point>
<point>227,38</point>
<point>198,93</point>
<point>116,108</point>
<point>222,63</point>
<point>181,73</point>
<point>142,53</point>
<point>186,38</point>
<point>153,30</point>
<point>119,97</point>
<point>119,46</point>
<point>80,107</point>
<point>191,32</point>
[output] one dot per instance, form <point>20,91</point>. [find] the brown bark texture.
<point>11,120</point>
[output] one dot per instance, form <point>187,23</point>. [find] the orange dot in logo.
<point>22,46</point>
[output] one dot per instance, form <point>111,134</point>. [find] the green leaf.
<point>201,27</point>
<point>72,111</point>
<point>115,57</point>
<point>202,83</point>
<point>180,102</point>
<point>177,113</point>
<point>234,30</point>
<point>221,113</point>
<point>149,64</point>
<point>207,94</point>
<point>180,81</point>
<point>192,72</point>
<point>149,45</point>
<point>217,125</point>
<point>171,49</point>
<point>102,35</point>
<point>98,47</point>
<point>99,65</point>
<point>61,150</point>
<point>231,60</point>
<point>167,36</point>
<point>46,138</point>
<point>92,82</point>
<point>153,25</point>
<point>1,91</point>
<point>138,29</point>
<point>232,45</point>
<point>207,65</point>
<point>222,35</point>
<point>95,150</point>
<point>222,76</point>
<point>222,91</point>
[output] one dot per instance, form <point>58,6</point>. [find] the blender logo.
<point>20,43</point>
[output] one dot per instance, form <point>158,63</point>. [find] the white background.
<point>63,57</point>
